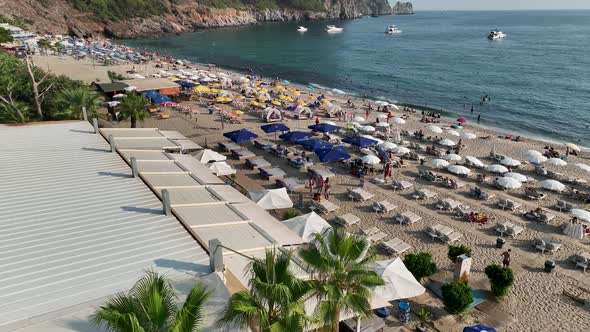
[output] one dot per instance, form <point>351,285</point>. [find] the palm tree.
<point>134,107</point>
<point>275,300</point>
<point>339,264</point>
<point>151,306</point>
<point>74,99</point>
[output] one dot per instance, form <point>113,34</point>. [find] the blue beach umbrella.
<point>478,328</point>
<point>295,136</point>
<point>274,127</point>
<point>239,136</point>
<point>323,127</point>
<point>314,144</point>
<point>336,153</point>
<point>186,84</point>
<point>361,142</point>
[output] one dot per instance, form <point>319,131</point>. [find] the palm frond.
<point>191,315</point>
<point>155,296</point>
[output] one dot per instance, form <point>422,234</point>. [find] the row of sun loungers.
<point>443,233</point>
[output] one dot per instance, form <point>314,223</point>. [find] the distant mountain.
<point>150,18</point>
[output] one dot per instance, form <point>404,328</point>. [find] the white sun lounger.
<point>242,153</point>
<point>374,234</point>
<point>401,185</point>
<point>348,219</point>
<point>271,174</point>
<point>563,205</point>
<point>292,184</point>
<point>396,246</point>
<point>324,206</point>
<point>424,194</point>
<point>509,204</point>
<point>383,206</point>
<point>407,218</point>
<point>257,162</point>
<point>359,194</point>
<point>447,204</point>
<point>229,146</point>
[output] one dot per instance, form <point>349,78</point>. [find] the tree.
<point>40,89</point>
<point>424,316</point>
<point>458,250</point>
<point>5,36</point>
<point>456,296</point>
<point>501,279</point>
<point>134,107</point>
<point>44,45</point>
<point>420,265</point>
<point>74,99</point>
<point>151,306</point>
<point>276,297</point>
<point>339,265</point>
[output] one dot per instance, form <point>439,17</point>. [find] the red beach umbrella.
<point>461,120</point>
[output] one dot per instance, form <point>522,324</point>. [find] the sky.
<point>498,4</point>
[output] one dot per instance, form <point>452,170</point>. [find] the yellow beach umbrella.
<point>238,112</point>
<point>276,103</point>
<point>201,88</point>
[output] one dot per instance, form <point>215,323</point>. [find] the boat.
<point>302,29</point>
<point>496,34</point>
<point>333,29</point>
<point>392,29</point>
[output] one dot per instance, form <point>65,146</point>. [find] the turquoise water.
<point>538,78</point>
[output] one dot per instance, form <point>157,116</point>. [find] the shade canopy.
<point>239,136</point>
<point>508,183</point>
<point>272,198</point>
<point>370,160</point>
<point>337,153</point>
<point>314,144</point>
<point>399,282</point>
<point>274,127</point>
<point>439,163</point>
<point>221,168</point>
<point>552,185</point>
<point>294,136</point>
<point>207,156</point>
<point>307,225</point>
<point>459,170</point>
<point>362,142</point>
<point>323,127</point>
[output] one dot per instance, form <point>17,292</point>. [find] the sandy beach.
<point>535,303</point>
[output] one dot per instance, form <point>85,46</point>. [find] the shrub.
<point>291,213</point>
<point>113,76</point>
<point>420,265</point>
<point>456,296</point>
<point>459,250</point>
<point>500,278</point>
<point>424,316</point>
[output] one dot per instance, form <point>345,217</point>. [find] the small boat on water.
<point>302,29</point>
<point>392,29</point>
<point>333,29</point>
<point>496,34</point>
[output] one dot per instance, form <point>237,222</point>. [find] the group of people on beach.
<point>321,186</point>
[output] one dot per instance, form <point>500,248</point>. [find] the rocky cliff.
<point>78,17</point>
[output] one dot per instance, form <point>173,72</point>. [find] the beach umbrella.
<point>271,199</point>
<point>388,146</point>
<point>382,116</point>
<point>474,161</point>
<point>581,214</point>
<point>552,185</point>
<point>323,127</point>
<point>113,103</point>
<point>382,124</point>
<point>452,157</point>
<point>274,127</point>
<point>401,150</point>
<point>508,183</point>
<point>307,225</point>
<point>537,159</point>
<point>368,129</point>
<point>367,151</point>
<point>239,136</point>
<point>462,120</point>
<point>469,136</point>
<point>395,107</point>
<point>530,153</point>
<point>435,129</point>
<point>453,133</point>
<point>337,153</point>
<point>243,80</point>
<point>353,125</point>
<point>314,144</point>
<point>381,103</point>
<point>399,121</point>
<point>478,328</point>
<point>399,283</point>
<point>556,162</point>
<point>379,141</point>
<point>497,169</point>
<point>330,123</point>
<point>370,160</point>
<point>358,119</point>
<point>573,147</point>
<point>516,176</point>
<point>294,136</point>
<point>206,156</point>
<point>446,142</point>
<point>459,170</point>
<point>439,163</point>
<point>583,167</point>
<point>509,162</point>
<point>221,168</point>
<point>359,141</point>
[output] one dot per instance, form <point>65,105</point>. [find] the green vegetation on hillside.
<point>21,23</point>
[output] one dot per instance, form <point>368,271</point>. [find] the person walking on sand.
<point>327,187</point>
<point>506,258</point>
<point>320,185</point>
<point>311,184</point>
<point>317,120</point>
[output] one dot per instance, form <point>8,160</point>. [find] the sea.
<point>535,82</point>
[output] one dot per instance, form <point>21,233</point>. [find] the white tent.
<point>302,112</point>
<point>553,185</point>
<point>272,198</point>
<point>459,170</point>
<point>221,168</point>
<point>307,225</point>
<point>207,156</point>
<point>271,114</point>
<point>399,282</point>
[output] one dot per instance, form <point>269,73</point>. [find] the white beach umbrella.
<point>446,142</point>
<point>401,150</point>
<point>537,159</point>
<point>399,283</point>
<point>510,162</point>
<point>530,153</point>
<point>358,119</point>
<point>459,170</point>
<point>581,214</point>
<point>509,183</point>
<point>379,141</point>
<point>573,147</point>
<point>353,124</point>
<point>556,162</point>
<point>243,80</point>
<point>399,121</point>
<point>395,107</point>
<point>272,198</point>
<point>439,163</point>
<point>205,156</point>
<point>330,123</point>
<point>452,157</point>
<point>469,136</point>
<point>381,103</point>
<point>497,169</point>
<point>583,167</point>
<point>435,129</point>
<point>306,226</point>
<point>388,146</point>
<point>474,161</point>
<point>221,168</point>
<point>516,176</point>
<point>113,103</point>
<point>382,116</point>
<point>382,124</point>
<point>453,133</point>
<point>552,185</point>
<point>370,160</point>
<point>367,151</point>
<point>368,129</point>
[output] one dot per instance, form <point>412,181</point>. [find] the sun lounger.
<point>563,205</point>
<point>263,144</point>
<point>514,230</point>
<point>323,173</point>
<point>540,245</point>
<point>271,174</point>
<point>424,194</point>
<point>374,234</point>
<point>422,173</point>
<point>432,232</point>
<point>324,206</point>
<point>543,215</point>
<point>581,260</point>
<point>407,218</point>
<point>509,204</point>
<point>401,185</point>
<point>462,210</point>
<point>242,153</point>
<point>257,162</point>
<point>299,163</point>
<point>292,184</point>
<point>383,206</point>
<point>533,194</point>
<point>348,220</point>
<point>447,204</point>
<point>545,244</point>
<point>481,194</point>
<point>453,237</point>
<point>396,246</point>
<point>228,146</point>
<point>359,194</point>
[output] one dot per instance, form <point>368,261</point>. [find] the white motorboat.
<point>392,29</point>
<point>496,34</point>
<point>302,29</point>
<point>333,29</point>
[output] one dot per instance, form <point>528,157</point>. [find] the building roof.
<point>149,139</point>
<point>111,87</point>
<point>151,84</point>
<point>77,228</point>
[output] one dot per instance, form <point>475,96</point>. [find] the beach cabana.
<point>274,127</point>
<point>307,225</point>
<point>314,144</point>
<point>361,142</point>
<point>302,113</point>
<point>239,136</point>
<point>295,136</point>
<point>399,282</point>
<point>337,153</point>
<point>272,198</point>
<point>271,114</point>
<point>207,156</point>
<point>323,127</point>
